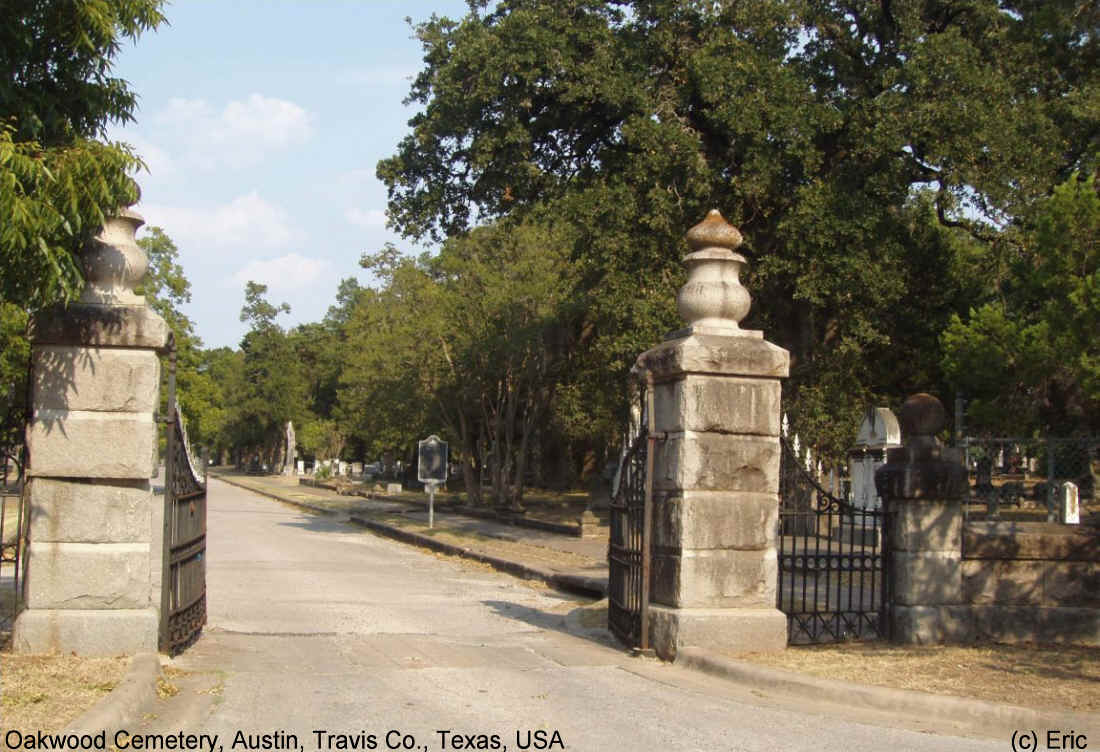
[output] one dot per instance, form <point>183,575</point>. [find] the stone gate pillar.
<point>716,473</point>
<point>93,449</point>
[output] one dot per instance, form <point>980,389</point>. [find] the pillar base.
<point>105,632</point>
<point>745,630</point>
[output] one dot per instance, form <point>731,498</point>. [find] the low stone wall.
<point>1032,581</point>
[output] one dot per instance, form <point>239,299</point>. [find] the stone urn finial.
<point>114,264</point>
<point>713,301</point>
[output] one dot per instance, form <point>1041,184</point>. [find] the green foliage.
<point>842,139</point>
<point>268,386</point>
<point>14,354</point>
<point>476,340</point>
<point>56,97</point>
<point>1030,357</point>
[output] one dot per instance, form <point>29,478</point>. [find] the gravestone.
<point>357,469</point>
<point>291,450</point>
<point>1069,508</point>
<point>301,467</point>
<point>878,432</point>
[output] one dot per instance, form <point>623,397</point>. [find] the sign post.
<point>431,469</point>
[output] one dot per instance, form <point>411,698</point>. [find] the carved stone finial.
<point>114,264</point>
<point>713,301</point>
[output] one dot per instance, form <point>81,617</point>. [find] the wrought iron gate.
<point>183,584</point>
<point>629,540</point>
<point>833,582</point>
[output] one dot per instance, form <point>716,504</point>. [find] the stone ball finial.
<point>922,415</point>
<point>713,301</point>
<point>114,264</point>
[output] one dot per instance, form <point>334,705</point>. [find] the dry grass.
<point>45,692</point>
<point>1050,676</point>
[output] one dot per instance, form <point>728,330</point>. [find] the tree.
<point>57,97</point>
<point>1028,357</point>
<point>826,131</point>
<point>271,388</point>
<point>474,340</point>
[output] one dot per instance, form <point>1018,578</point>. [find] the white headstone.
<point>301,467</point>
<point>878,432</point>
<point>393,488</point>
<point>343,468</point>
<point>1069,508</point>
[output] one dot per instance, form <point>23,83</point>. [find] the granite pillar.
<point>92,440</point>
<point>716,469</point>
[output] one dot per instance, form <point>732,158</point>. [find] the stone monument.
<point>291,450</point>
<point>93,445</point>
<point>716,473</point>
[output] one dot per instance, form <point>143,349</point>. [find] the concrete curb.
<point>277,497</point>
<point>591,586</point>
<point>123,707</point>
<point>904,701</point>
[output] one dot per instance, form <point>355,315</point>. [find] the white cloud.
<point>241,133</point>
<point>290,272</point>
<point>368,218</point>
<point>247,221</point>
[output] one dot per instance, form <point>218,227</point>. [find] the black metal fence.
<point>14,527</point>
<point>183,572</point>
<point>628,550</point>
<point>833,583</point>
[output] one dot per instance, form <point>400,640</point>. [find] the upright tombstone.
<point>291,449</point>
<point>878,432</point>
<point>716,473</point>
<point>93,444</point>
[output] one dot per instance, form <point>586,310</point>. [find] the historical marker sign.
<point>432,467</point>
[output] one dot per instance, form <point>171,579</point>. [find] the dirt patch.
<point>1050,676</point>
<point>45,692</point>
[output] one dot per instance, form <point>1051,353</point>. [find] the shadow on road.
<point>577,623</point>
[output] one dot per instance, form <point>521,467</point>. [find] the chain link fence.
<point>1017,472</point>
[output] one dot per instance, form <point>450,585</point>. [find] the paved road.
<point>317,625</point>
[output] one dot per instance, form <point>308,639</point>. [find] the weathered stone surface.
<point>86,633</point>
<point>88,575</point>
<point>86,444</point>
<point>100,325</point>
<point>1028,624</point>
<point>716,519</point>
<point>747,355</point>
<point>722,404</point>
<point>712,578</point>
<point>927,579</point>
<point>1031,540</point>
<point>717,462</point>
<point>1004,582</point>
<point>96,378</point>
<point>1071,584</point>
<point>756,630</point>
<point>90,511</point>
<point>927,525</point>
<point>933,625</point>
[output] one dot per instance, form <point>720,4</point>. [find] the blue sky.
<point>261,124</point>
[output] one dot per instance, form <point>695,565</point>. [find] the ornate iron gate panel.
<point>629,541</point>
<point>183,584</point>
<point>832,562</point>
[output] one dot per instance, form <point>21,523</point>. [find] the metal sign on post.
<point>431,469</point>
